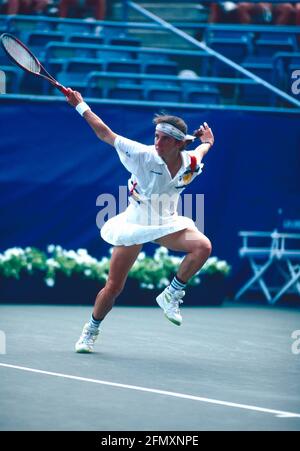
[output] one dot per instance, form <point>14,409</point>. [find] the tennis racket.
<point>24,58</point>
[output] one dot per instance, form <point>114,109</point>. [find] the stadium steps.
<point>174,12</point>
<point>169,11</point>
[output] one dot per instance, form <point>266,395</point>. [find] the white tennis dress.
<point>153,195</point>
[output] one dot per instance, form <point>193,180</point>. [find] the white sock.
<point>94,323</point>
<point>176,285</point>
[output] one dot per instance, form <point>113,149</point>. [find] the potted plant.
<point>62,276</point>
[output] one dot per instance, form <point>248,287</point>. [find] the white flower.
<point>162,250</point>
<point>148,286</point>
<point>160,253</point>
<point>52,263</point>
<point>164,282</point>
<point>212,261</point>
<point>141,256</point>
<point>51,248</point>
<point>70,254</point>
<point>82,252</point>
<point>87,272</point>
<point>222,265</point>
<point>175,260</point>
<point>14,252</point>
<point>50,282</point>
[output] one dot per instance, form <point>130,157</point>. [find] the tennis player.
<point>159,173</point>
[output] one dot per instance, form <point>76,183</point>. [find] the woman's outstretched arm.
<point>103,132</point>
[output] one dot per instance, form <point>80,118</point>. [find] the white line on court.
<point>278,413</point>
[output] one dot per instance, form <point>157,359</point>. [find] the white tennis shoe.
<point>169,302</point>
<point>87,339</point>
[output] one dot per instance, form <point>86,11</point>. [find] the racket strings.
<point>20,54</point>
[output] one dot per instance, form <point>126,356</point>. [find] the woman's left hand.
<point>205,134</point>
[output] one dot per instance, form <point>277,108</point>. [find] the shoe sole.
<point>83,351</point>
<point>177,323</point>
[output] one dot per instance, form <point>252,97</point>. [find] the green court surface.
<point>234,367</point>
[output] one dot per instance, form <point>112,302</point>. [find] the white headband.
<point>170,130</point>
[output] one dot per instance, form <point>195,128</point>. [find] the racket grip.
<point>62,88</point>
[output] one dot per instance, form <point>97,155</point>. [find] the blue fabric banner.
<point>53,170</point>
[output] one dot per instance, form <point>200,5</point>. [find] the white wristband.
<point>82,107</point>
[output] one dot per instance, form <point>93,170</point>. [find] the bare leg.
<point>13,7</point>
<point>284,13</point>
<point>297,14</point>
<point>100,9</point>
<point>197,246</point>
<point>123,257</point>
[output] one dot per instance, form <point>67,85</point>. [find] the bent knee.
<point>203,247</point>
<point>114,288</point>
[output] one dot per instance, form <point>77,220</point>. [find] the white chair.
<point>271,253</point>
<point>288,263</point>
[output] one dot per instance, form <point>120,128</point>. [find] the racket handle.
<point>61,88</point>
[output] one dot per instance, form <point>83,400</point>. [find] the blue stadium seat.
<point>126,41</point>
<point>75,72</point>
<point>84,39</point>
<point>227,33</point>
<point>260,67</point>
<point>3,24</point>
<point>202,94</point>
<point>67,50</point>
<point>163,93</point>
<point>37,41</point>
<point>100,84</point>
<point>267,43</point>
<point>83,66</point>
<point>255,94</point>
<point>236,45</point>
<point>126,92</point>
<point>4,60</point>
<point>206,63</point>
<point>82,27</point>
<point>283,65</point>
<point>160,67</point>
<point>149,56</point>
<point>151,83</point>
<point>56,55</point>
<point>220,69</point>
<point>30,84</point>
<point>113,32</point>
<point>12,79</point>
<point>21,25</point>
<point>3,28</point>
<point>123,66</point>
<point>108,53</point>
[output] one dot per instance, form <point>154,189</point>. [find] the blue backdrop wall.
<point>53,168</point>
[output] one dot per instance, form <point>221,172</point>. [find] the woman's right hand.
<point>73,97</point>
